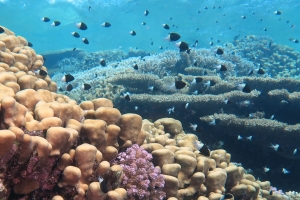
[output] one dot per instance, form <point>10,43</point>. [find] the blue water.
<point>24,18</point>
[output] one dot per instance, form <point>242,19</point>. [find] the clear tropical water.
<point>24,18</point>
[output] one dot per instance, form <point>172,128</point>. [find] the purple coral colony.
<point>196,109</point>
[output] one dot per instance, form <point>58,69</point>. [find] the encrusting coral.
<point>52,148</point>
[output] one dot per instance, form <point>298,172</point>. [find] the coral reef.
<point>54,148</point>
<point>281,61</point>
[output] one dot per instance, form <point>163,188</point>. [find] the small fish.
<point>285,171</point>
<point>244,87</point>
<point>193,126</point>
<point>146,13</point>
<point>227,101</point>
<point>173,37</point>
<point>74,49</point>
<point>294,40</point>
<point>195,63</point>
<point>160,47</point>
<point>183,46</point>
<point>2,30</point>
<point>86,86</point>
<point>127,97</point>
<point>197,80</point>
<point>210,83</point>
<point>205,7</point>
<point>151,88</point>
<point>295,151</point>
<point>67,78</point>
<point>266,169</point>
<point>260,71</point>
<point>133,33</point>
<point>243,17</point>
<point>136,107</point>
<point>179,85</point>
<point>55,23</point>
<point>102,62</point>
<point>284,102</point>
<point>166,26</point>
<point>75,34</point>
<point>213,122</point>
<point>60,89</point>
<point>103,184</point>
<point>106,24</point>
<point>250,72</point>
<point>143,23</point>
<point>274,146</point>
<point>240,137</point>
<point>252,115</point>
<point>170,110</point>
<point>277,12</point>
<point>81,26</point>
<point>249,138</point>
<point>272,117</point>
<point>41,72</point>
<point>195,93</point>
<point>265,29</point>
<point>221,68</point>
<point>186,105</point>
<point>89,9</point>
<point>136,67</point>
<point>211,43</point>
<point>202,148</point>
<point>45,19</point>
<point>30,44</point>
<point>85,40</point>
<point>236,37</point>
<point>196,43</point>
<point>69,87</point>
<point>220,51</point>
<point>245,103</point>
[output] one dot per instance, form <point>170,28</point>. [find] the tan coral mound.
<point>48,141</point>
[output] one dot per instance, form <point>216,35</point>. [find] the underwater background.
<point>251,35</point>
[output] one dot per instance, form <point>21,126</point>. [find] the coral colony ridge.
<point>79,146</point>
<point>201,114</point>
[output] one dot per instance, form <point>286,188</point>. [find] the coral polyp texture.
<point>141,179</point>
<point>54,148</point>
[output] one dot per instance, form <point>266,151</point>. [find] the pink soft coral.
<point>141,179</point>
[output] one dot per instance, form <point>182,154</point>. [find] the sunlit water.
<point>24,18</point>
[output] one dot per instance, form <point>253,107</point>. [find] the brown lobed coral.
<point>52,148</point>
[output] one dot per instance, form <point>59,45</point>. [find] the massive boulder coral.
<point>189,174</point>
<point>52,148</point>
<point>46,141</point>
